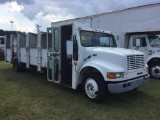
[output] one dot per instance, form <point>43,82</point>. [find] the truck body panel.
<point>120,22</point>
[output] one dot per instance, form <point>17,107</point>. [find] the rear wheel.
<point>1,57</point>
<point>154,70</point>
<point>23,67</point>
<point>94,87</point>
<point>16,66</point>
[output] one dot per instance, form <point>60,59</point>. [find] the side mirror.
<point>138,43</point>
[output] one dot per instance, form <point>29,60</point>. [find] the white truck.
<point>138,29</point>
<point>141,23</point>
<point>2,47</point>
<point>78,55</point>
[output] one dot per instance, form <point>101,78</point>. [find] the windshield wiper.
<point>88,45</point>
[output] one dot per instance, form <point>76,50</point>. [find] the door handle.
<point>56,54</point>
<point>49,54</point>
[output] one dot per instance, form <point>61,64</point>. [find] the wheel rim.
<point>155,71</point>
<point>91,88</point>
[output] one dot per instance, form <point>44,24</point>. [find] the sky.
<point>26,14</point>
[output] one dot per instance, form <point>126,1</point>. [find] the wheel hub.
<point>156,71</point>
<point>91,88</point>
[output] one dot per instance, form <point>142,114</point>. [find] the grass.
<point>27,96</point>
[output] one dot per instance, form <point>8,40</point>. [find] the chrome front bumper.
<point>127,85</point>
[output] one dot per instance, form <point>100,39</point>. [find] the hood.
<point>114,57</point>
<point>121,51</point>
<point>158,47</point>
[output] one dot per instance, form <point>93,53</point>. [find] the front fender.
<point>103,67</point>
<point>151,57</point>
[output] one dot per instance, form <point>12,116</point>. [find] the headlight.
<point>113,75</point>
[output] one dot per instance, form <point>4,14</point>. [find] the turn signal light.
<point>111,75</point>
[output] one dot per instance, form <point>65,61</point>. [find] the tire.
<point>23,67</point>
<point>94,87</point>
<point>154,70</point>
<point>1,57</point>
<point>16,66</point>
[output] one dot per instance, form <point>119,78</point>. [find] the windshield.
<point>93,39</point>
<point>154,40</point>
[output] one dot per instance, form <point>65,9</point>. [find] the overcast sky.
<point>25,14</point>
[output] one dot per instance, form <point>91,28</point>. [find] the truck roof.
<point>115,11</point>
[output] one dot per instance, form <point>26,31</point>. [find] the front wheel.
<point>154,70</point>
<point>94,87</point>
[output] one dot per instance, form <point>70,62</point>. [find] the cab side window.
<point>134,42</point>
<point>142,41</point>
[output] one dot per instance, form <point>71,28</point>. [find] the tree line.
<point>2,32</point>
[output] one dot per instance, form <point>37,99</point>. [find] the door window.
<point>50,40</point>
<point>56,69</point>
<point>50,64</point>
<point>56,40</point>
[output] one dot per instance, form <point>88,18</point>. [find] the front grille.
<point>135,62</point>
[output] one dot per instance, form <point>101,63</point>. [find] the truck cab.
<point>149,44</point>
<point>79,55</point>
